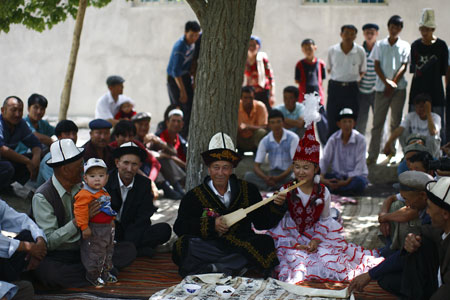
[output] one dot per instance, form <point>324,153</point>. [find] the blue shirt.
<point>280,154</point>
<point>43,128</point>
<point>367,83</point>
<point>294,115</point>
<point>22,133</point>
<point>45,172</point>
<point>181,58</point>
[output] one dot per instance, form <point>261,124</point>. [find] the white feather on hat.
<point>312,106</point>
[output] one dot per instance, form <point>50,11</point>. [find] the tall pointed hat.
<point>308,147</point>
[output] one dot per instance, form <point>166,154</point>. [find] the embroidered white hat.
<point>124,99</point>
<point>63,152</point>
<point>346,113</point>
<point>94,162</point>
<point>439,192</point>
<point>427,18</point>
<point>221,147</point>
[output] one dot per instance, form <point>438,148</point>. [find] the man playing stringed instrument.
<point>206,244</point>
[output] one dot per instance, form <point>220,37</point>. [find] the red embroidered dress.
<point>307,218</point>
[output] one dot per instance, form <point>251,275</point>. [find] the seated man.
<point>252,121</point>
<point>37,104</point>
<point>171,175</point>
<point>345,153</point>
<point>24,252</point>
<point>205,243</point>
<point>65,129</point>
<point>421,121</point>
<point>292,110</point>
<point>97,146</point>
<point>280,145</point>
<point>404,212</point>
<point>412,139</point>
<point>52,208</point>
<point>132,199</point>
<point>13,129</point>
<point>421,269</point>
<point>108,105</point>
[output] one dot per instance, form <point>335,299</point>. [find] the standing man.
<point>13,129</point>
<point>366,95</point>
<point>391,58</point>
<point>429,62</point>
<point>205,243</point>
<point>108,105</point>
<point>132,199</point>
<point>98,145</point>
<point>346,64</point>
<point>52,208</point>
<point>179,79</point>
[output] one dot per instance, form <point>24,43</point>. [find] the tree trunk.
<point>65,95</point>
<point>226,26</point>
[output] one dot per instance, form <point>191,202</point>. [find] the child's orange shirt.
<point>81,208</point>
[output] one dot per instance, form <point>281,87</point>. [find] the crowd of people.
<point>90,213</point>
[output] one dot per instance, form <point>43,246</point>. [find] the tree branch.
<point>199,8</point>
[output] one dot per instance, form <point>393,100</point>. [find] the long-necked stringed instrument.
<point>234,217</point>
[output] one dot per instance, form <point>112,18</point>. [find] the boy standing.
<point>292,111</point>
<point>97,245</point>
<point>309,74</point>
<point>179,81</point>
<point>391,57</point>
<point>346,64</point>
<point>345,153</point>
<point>366,96</point>
<point>422,121</point>
<point>280,145</point>
<point>429,56</point>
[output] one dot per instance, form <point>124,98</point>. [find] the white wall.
<point>135,41</point>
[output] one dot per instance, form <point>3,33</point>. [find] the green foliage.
<point>39,14</point>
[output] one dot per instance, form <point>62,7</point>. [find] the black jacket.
<point>137,210</point>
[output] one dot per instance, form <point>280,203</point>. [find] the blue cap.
<point>99,124</point>
<point>370,26</point>
<point>114,79</point>
<point>257,39</point>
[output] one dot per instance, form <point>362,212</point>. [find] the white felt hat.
<point>221,147</point>
<point>427,18</point>
<point>63,152</point>
<point>439,192</point>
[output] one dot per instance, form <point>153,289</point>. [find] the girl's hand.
<point>312,246</point>
<point>301,247</point>
<point>280,199</point>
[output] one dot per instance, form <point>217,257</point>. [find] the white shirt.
<point>391,58</point>
<point>226,198</point>
<point>346,67</point>
<point>444,236</point>
<point>347,160</point>
<point>124,189</point>
<point>414,124</point>
<point>326,209</point>
<point>106,107</point>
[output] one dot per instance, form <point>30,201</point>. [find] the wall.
<point>135,41</point>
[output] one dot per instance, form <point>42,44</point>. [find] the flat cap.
<point>414,180</point>
<point>141,116</point>
<point>416,147</point>
<point>99,124</point>
<point>370,26</point>
<point>114,79</point>
<point>415,137</point>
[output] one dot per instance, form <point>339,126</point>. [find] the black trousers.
<point>11,268</point>
<point>11,172</point>
<point>154,235</point>
<point>63,269</point>
<point>340,95</point>
<point>174,95</point>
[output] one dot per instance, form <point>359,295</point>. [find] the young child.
<point>126,109</point>
<point>309,74</point>
<point>308,240</point>
<point>97,244</point>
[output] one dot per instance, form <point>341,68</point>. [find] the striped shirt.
<point>367,83</point>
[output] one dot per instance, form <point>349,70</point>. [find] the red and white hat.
<point>308,148</point>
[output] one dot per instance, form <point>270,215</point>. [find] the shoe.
<point>98,283</point>
<point>110,278</point>
<point>169,192</point>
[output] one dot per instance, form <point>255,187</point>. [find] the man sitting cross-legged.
<point>206,244</point>
<point>345,153</point>
<point>280,145</point>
